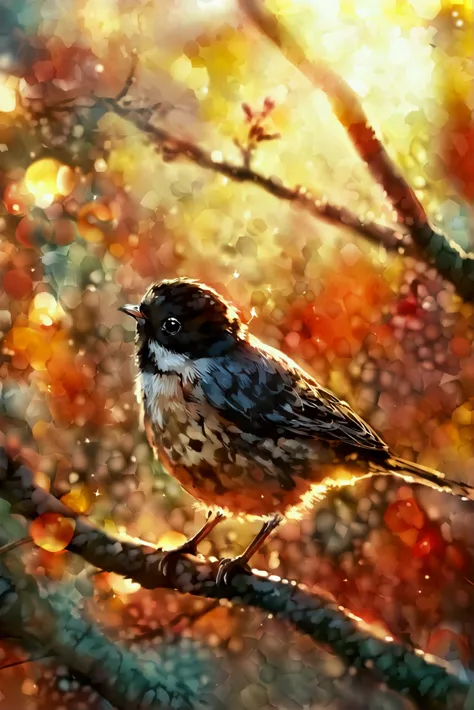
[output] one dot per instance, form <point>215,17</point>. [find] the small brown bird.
<point>241,426</point>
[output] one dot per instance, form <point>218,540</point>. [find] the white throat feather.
<point>163,390</point>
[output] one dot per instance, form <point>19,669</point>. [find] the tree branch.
<point>48,617</point>
<point>130,78</point>
<point>173,148</point>
<point>405,670</point>
<point>450,260</point>
<point>317,207</point>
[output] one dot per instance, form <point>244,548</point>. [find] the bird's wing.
<point>261,391</point>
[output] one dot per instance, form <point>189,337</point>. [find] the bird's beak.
<point>133,311</point>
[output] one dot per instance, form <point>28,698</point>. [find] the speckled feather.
<point>240,425</point>
<point>267,394</point>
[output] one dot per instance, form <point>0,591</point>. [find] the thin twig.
<point>130,78</point>
<point>347,108</point>
<point>451,261</point>
<point>13,545</point>
<point>190,619</point>
<point>173,148</point>
<point>34,659</point>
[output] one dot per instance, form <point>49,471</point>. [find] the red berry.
<point>403,515</point>
<point>429,542</point>
<point>407,307</point>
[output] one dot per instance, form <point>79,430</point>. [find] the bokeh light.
<point>96,205</point>
<point>41,180</point>
<point>7,98</point>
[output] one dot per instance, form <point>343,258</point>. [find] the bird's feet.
<point>171,558</point>
<point>190,546</point>
<point>239,565</point>
<point>229,567</point>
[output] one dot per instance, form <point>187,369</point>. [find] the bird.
<point>242,427</point>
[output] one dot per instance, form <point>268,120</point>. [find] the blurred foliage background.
<point>93,211</point>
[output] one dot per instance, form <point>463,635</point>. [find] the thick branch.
<point>405,670</point>
<point>49,618</point>
<point>318,207</point>
<point>451,261</point>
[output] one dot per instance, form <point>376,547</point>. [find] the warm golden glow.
<point>42,480</point>
<point>41,180</point>
<point>122,585</point>
<point>44,310</point>
<point>65,180</point>
<point>7,97</point>
<point>122,534</point>
<point>319,491</point>
<point>170,540</point>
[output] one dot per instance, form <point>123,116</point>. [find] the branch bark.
<point>319,207</point>
<point>408,671</point>
<point>450,260</point>
<point>47,617</point>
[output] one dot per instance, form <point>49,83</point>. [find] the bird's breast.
<point>159,395</point>
<point>181,424</point>
<point>218,463</point>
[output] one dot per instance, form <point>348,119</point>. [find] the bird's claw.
<point>230,566</point>
<point>173,556</point>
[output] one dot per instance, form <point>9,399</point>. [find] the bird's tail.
<point>415,473</point>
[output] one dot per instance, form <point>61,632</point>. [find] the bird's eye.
<point>171,326</point>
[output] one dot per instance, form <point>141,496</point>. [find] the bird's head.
<point>181,320</point>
